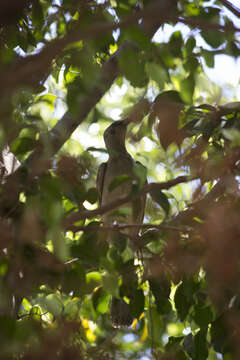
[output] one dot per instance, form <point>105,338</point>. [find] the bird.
<point>119,163</point>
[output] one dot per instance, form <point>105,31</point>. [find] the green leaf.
<point>182,302</point>
<point>37,14</point>
<point>110,284</point>
<point>188,345</point>
<point>161,289</point>
<point>92,195</point>
<point>202,315</point>
<point>23,145</point>
<point>208,57</point>
<point>141,173</point>
<point>155,325</point>
<point>219,335</point>
<point>157,73</point>
<point>190,45</point>
<point>136,35</point>
<point>213,40</point>
<point>161,199</point>
<point>93,280</point>
<point>137,303</point>
<point>100,300</point>
<point>200,345</point>
<point>176,44</point>
<point>53,304</point>
<point>187,88</point>
<point>119,180</point>
<point>133,68</point>
<point>191,64</point>
<point>119,241</point>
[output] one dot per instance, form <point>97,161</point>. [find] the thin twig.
<point>117,227</point>
<point>89,214</point>
<point>230,7</point>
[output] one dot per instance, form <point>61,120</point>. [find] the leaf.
<point>208,57</point>
<point>141,173</point>
<point>93,279</point>
<point>37,14</point>
<point>53,304</point>
<point>213,40</point>
<point>202,315</point>
<point>184,296</point>
<point>161,199</point>
<point>136,35</point>
<point>119,180</point>
<point>23,145</point>
<point>100,300</point>
<point>133,68</point>
<point>188,344</point>
<point>176,44</point>
<point>200,345</point>
<point>187,88</point>
<point>191,64</point>
<point>137,303</point>
<point>92,195</point>
<point>190,45</point>
<point>157,73</point>
<point>182,303</point>
<point>110,284</point>
<point>119,241</point>
<point>219,335</point>
<point>161,290</point>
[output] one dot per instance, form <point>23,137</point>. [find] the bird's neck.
<point>117,150</point>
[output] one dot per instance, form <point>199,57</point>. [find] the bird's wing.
<point>100,180</point>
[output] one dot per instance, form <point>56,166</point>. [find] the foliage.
<point>67,68</point>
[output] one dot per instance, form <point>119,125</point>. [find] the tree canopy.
<point>68,69</point>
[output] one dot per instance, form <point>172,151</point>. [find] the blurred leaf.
<point>190,45</point>
<point>161,199</point>
<point>23,145</point>
<point>161,290</point>
<point>53,304</point>
<point>182,301</point>
<point>93,280</point>
<point>110,284</point>
<point>92,195</point>
<point>100,300</point>
<point>119,241</point>
<point>213,40</point>
<point>187,86</point>
<point>202,315</point>
<point>200,345</point>
<point>133,68</point>
<point>157,73</point>
<point>137,303</point>
<point>141,173</point>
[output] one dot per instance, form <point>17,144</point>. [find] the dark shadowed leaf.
<point>161,199</point>
<point>137,303</point>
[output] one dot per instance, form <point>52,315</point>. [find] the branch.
<point>230,7</point>
<point>202,205</point>
<point>119,227</point>
<point>167,184</point>
<point>30,70</point>
<point>205,25</point>
<point>88,214</point>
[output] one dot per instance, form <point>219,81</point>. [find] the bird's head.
<point>114,136</point>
